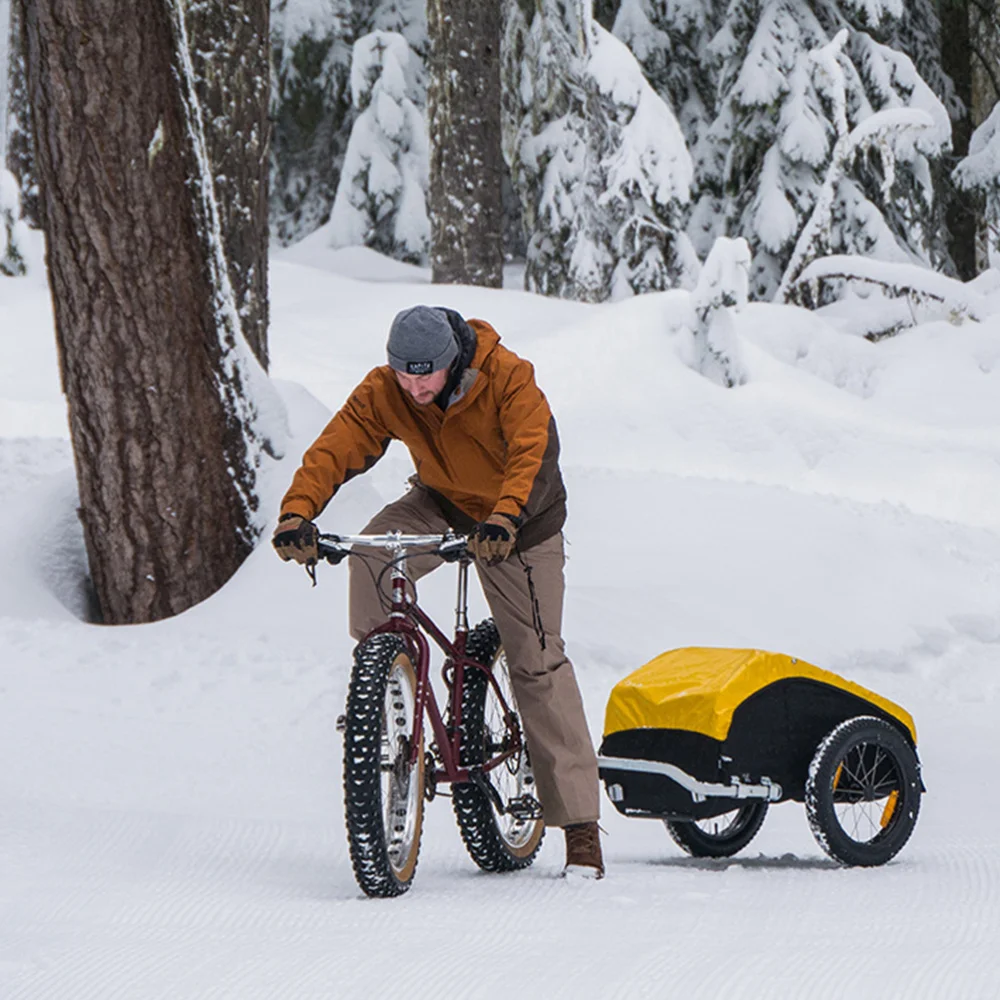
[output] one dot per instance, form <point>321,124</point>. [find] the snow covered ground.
<point>170,807</point>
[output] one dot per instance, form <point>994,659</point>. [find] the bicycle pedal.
<point>525,807</point>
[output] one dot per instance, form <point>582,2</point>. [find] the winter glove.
<point>296,538</point>
<point>493,540</point>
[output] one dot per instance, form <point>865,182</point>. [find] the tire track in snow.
<point>138,905</point>
<point>914,929</point>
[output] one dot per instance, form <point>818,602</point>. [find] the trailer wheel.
<point>863,792</point>
<point>720,836</point>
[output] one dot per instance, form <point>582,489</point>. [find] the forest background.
<point>814,152</point>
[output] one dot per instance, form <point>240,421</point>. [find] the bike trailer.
<point>700,732</point>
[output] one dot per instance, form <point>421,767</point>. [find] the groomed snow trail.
<point>171,825</point>
<point>172,821</point>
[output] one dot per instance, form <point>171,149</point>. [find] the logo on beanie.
<point>419,367</point>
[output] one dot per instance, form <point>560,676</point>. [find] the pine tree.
<point>19,155</point>
<point>918,32</point>
<point>406,17</point>
<point>381,199</point>
<point>311,111</point>
<point>312,43</point>
<point>978,176</point>
<point>12,262</point>
<point>777,127</point>
<point>670,39</point>
<point>721,289</point>
<point>598,160</point>
<point>13,224</point>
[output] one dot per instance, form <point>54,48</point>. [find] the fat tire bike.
<point>400,747</point>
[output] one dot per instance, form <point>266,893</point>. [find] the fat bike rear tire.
<point>721,836</point>
<point>383,794</point>
<point>497,842</point>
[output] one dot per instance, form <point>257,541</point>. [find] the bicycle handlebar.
<point>450,546</point>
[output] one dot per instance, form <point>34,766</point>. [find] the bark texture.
<point>229,49</point>
<point>463,103</point>
<point>161,460</point>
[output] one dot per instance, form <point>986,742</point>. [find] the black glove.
<point>296,538</point>
<point>493,540</point>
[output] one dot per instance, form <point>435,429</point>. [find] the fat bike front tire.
<point>497,841</point>
<point>383,794</point>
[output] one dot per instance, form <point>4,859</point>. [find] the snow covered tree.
<point>406,17</point>
<point>918,32</point>
<point>890,133</point>
<point>311,110</point>
<point>169,410</point>
<point>312,43</point>
<point>19,156</point>
<point>979,175</point>
<point>463,113</point>
<point>598,161</point>
<point>381,199</point>
<point>775,134</point>
<point>984,39</point>
<point>721,289</point>
<point>12,263</point>
<point>670,39</point>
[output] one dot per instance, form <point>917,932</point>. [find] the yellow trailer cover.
<point>699,688</point>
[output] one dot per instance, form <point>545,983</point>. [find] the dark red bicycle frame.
<point>410,621</point>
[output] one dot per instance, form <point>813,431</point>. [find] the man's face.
<point>423,388</point>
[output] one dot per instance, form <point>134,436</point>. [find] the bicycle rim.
<point>513,779</point>
<point>401,784</point>
<point>866,793</point>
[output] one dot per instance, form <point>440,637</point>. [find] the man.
<point>485,447</point>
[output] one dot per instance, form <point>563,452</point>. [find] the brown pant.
<point>548,698</point>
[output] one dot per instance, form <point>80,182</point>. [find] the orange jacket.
<point>494,449</point>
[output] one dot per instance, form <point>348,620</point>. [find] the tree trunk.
<point>164,454</point>
<point>230,53</point>
<point>20,147</point>
<point>961,211</point>
<point>463,106</point>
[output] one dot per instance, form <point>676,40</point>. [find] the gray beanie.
<point>421,341</point>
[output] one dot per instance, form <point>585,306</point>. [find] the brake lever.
<point>330,550</point>
<point>453,548</point>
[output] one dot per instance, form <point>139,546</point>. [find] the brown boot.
<point>583,851</point>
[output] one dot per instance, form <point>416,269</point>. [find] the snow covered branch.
<point>889,131</point>
<point>952,299</point>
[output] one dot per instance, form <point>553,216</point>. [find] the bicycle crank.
<point>523,808</point>
<point>430,776</point>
